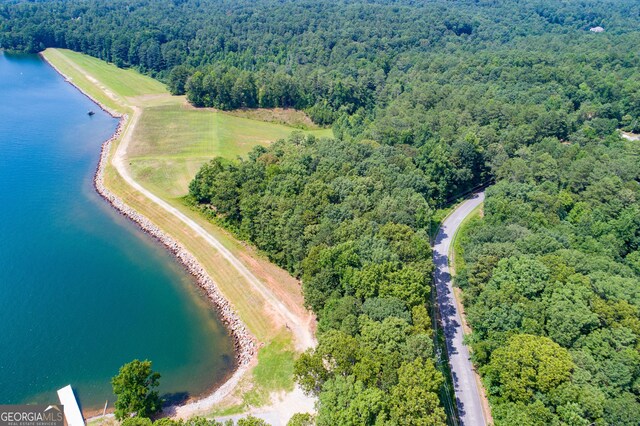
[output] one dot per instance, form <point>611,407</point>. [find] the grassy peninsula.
<point>170,140</point>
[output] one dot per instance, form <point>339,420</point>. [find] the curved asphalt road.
<point>468,397</point>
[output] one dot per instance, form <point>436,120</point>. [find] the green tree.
<point>525,365</point>
<point>346,401</point>
<point>520,414</point>
<point>414,400</point>
<point>310,372</point>
<point>177,81</point>
<point>137,421</point>
<point>623,410</point>
<point>166,421</point>
<point>201,421</point>
<point>252,421</point>
<point>134,389</point>
<point>302,419</point>
<point>379,308</point>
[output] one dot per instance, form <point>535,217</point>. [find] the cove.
<point>82,289</point>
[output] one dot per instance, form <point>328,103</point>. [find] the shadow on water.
<point>169,403</point>
<point>175,398</point>
<point>78,401</point>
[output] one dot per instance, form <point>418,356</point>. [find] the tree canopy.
<point>134,388</point>
<point>551,284</point>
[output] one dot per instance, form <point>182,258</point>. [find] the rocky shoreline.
<point>244,343</point>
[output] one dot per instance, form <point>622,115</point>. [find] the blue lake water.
<point>82,290</point>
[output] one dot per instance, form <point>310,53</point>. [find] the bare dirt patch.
<point>288,116</point>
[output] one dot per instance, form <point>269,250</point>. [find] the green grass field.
<point>173,140</point>
<point>275,366</point>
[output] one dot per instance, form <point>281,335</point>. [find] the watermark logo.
<point>31,415</point>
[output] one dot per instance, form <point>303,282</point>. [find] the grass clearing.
<point>457,252</point>
<point>173,140</point>
<point>169,143</point>
<point>275,365</point>
<point>274,373</point>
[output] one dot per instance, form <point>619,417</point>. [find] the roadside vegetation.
<point>461,239</point>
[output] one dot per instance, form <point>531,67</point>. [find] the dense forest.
<point>552,284</point>
<point>427,99</point>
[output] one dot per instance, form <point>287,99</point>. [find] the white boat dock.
<point>71,409</point>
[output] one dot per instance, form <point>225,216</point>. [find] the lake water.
<point>82,290</point>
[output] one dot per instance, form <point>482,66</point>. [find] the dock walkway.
<point>71,409</point>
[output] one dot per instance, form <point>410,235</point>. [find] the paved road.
<point>468,397</point>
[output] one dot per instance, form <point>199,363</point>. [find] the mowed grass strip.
<point>78,77</point>
<point>121,82</point>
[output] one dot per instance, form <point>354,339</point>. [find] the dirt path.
<point>303,336</point>
<point>286,405</point>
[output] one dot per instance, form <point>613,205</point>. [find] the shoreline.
<point>245,346</point>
